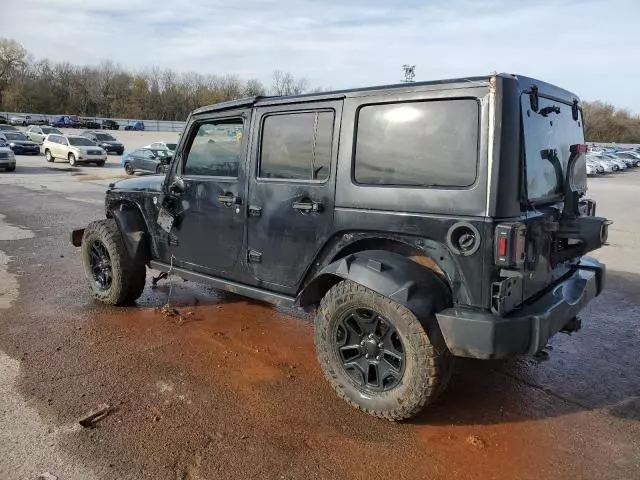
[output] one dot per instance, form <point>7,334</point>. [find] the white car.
<point>163,146</point>
<point>603,162</point>
<point>74,148</point>
<point>592,168</point>
<point>630,157</point>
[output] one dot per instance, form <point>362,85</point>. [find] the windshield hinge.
<point>574,109</point>
<point>533,98</point>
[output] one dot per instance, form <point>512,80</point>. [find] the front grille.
<point>94,152</point>
<point>4,155</point>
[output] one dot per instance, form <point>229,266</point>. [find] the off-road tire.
<point>72,160</point>
<point>128,274</point>
<point>428,362</point>
<point>129,169</point>
<point>48,157</point>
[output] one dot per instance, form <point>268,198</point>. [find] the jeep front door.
<point>291,194</point>
<point>209,226</point>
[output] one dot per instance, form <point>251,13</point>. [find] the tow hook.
<point>572,326</point>
<point>155,280</point>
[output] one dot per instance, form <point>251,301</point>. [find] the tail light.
<point>510,245</point>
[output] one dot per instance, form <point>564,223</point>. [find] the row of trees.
<point>108,90</point>
<point>40,86</point>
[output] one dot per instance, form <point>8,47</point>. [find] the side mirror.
<point>177,187</point>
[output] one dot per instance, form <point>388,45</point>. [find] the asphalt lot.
<point>233,390</point>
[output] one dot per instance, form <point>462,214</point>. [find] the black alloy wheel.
<point>370,350</point>
<point>101,268</point>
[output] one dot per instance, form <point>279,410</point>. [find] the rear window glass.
<point>80,142</point>
<point>421,144</point>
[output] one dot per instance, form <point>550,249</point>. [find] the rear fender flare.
<point>390,274</point>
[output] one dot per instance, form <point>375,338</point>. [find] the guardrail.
<point>149,125</point>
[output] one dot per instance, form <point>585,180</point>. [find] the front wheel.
<point>128,168</point>
<point>100,164</point>
<point>113,276</point>
<point>377,355</point>
<point>48,157</point>
<point>159,169</point>
<point>72,160</point>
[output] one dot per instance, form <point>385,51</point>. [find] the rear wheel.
<point>48,157</point>
<point>377,355</point>
<point>12,168</point>
<point>72,160</point>
<point>129,168</point>
<point>113,276</point>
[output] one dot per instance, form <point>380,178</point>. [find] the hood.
<point>26,143</point>
<point>148,183</point>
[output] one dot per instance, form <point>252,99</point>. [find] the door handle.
<point>307,207</point>
<point>229,199</point>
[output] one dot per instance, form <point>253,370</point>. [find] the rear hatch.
<point>552,132</point>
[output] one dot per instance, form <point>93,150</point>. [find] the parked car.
<point>3,120</point>
<point>607,166</point>
<point>139,126</point>
<point>361,206</point>
<point>147,160</point>
<point>8,128</point>
<point>7,157</point>
<point>105,140</point>
<point>74,148</point>
<point>171,146</point>
<point>110,125</point>
<point>89,123</point>
<point>64,121</point>
<point>20,143</point>
<point>594,168</point>
<point>19,120</point>
<point>37,133</point>
<point>616,161</point>
<point>630,157</point>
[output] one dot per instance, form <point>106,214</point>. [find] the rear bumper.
<point>475,334</point>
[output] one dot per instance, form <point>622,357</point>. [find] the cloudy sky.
<point>587,46</point>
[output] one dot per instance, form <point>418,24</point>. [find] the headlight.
<point>104,145</point>
<point>12,144</point>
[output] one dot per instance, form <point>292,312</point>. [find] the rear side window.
<point>297,146</point>
<point>421,144</point>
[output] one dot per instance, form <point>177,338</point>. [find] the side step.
<point>226,285</point>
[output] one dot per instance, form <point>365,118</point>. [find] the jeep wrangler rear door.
<point>291,193</point>
<point>551,130</point>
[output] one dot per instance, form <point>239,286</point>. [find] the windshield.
<point>105,137</point>
<point>548,136</point>
<point>15,136</point>
<point>80,142</point>
<point>48,130</point>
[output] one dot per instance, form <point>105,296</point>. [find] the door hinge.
<point>254,256</point>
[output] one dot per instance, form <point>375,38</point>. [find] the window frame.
<point>258,162</point>
<point>417,187</point>
<point>188,143</point>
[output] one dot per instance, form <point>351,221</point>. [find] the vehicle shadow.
<point>594,369</point>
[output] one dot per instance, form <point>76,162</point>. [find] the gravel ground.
<point>233,390</point>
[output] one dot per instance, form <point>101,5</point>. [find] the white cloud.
<point>587,47</point>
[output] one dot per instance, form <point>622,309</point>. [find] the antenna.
<point>409,72</point>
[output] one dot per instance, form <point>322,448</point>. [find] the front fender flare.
<point>390,274</point>
<point>134,231</point>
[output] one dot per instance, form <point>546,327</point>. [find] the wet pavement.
<point>230,388</point>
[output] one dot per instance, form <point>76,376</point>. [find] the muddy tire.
<point>113,276</point>
<point>357,360</point>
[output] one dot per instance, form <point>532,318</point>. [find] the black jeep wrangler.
<point>421,222</point>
